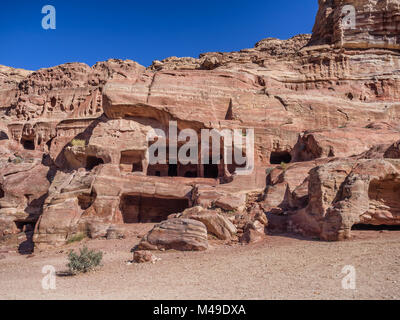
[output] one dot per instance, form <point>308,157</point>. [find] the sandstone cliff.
<point>73,137</point>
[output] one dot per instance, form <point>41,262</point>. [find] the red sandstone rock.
<point>216,224</point>
<point>344,193</point>
<point>177,234</point>
<point>377,24</point>
<point>253,232</point>
<point>143,257</point>
<point>343,142</point>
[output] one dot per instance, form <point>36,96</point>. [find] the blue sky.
<point>95,30</point>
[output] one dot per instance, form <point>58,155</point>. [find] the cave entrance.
<point>1,193</point>
<point>211,171</point>
<point>280,157</point>
<point>28,144</point>
<point>172,170</point>
<point>139,209</point>
<point>85,201</point>
<point>3,136</point>
<point>25,226</point>
<point>92,162</point>
<point>371,227</point>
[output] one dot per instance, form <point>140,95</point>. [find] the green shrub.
<point>17,160</point>
<point>78,143</point>
<point>283,166</point>
<point>229,212</point>
<point>86,261</point>
<point>76,238</point>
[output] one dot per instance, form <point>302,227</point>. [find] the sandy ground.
<point>282,267</point>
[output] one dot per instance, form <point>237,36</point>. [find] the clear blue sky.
<point>96,30</point>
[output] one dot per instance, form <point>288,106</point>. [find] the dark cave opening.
<point>280,157</point>
<point>140,209</point>
<point>1,193</point>
<point>28,144</point>
<point>92,162</point>
<point>172,170</point>
<point>25,226</point>
<point>211,171</point>
<point>137,167</point>
<point>3,136</point>
<point>85,201</point>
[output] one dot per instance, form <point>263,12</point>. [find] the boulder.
<point>216,223</point>
<point>144,256</point>
<point>231,202</point>
<point>115,232</point>
<point>177,234</point>
<point>253,232</point>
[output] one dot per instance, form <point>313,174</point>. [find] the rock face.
<point>344,193</point>
<point>343,142</point>
<point>376,23</point>
<point>324,108</point>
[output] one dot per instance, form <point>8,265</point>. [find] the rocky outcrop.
<point>10,77</point>
<point>389,151</point>
<point>343,142</point>
<point>177,234</point>
<point>216,224</point>
<point>358,24</point>
<point>348,192</point>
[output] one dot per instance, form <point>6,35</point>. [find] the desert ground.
<point>281,267</point>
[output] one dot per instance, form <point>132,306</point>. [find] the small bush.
<point>283,166</point>
<point>17,160</point>
<point>230,212</point>
<point>86,261</point>
<point>76,238</point>
<point>78,143</point>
